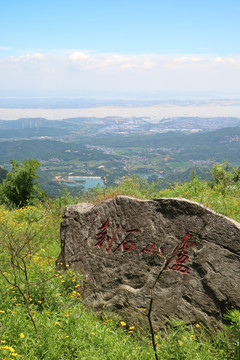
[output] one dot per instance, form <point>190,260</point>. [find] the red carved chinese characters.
<point>182,256</point>
<point>103,237</point>
<point>127,245</point>
<point>151,250</point>
<point>180,252</point>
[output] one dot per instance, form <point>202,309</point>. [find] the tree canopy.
<point>20,188</point>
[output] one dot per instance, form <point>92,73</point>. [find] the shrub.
<point>19,188</point>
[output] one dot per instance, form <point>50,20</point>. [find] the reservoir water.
<point>86,182</point>
<point>92,182</point>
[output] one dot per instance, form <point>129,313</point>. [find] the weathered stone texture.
<point>120,245</point>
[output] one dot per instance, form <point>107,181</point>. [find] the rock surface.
<point>120,246</point>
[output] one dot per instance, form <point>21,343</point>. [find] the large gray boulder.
<point>120,246</point>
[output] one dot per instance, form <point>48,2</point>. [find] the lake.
<point>86,182</point>
<point>91,182</point>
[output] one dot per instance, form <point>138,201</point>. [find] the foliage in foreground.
<point>19,188</point>
<point>65,329</point>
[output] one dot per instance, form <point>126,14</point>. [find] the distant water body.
<point>92,182</point>
<point>156,112</point>
<point>86,182</point>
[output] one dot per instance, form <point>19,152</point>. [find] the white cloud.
<point>78,71</point>
<point>188,59</point>
<point>228,60</point>
<point>148,64</point>
<point>78,56</point>
<point>110,61</point>
<point>27,57</point>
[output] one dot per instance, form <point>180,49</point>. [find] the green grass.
<point>224,200</point>
<point>67,330</point>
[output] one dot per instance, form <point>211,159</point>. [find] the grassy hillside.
<point>41,313</point>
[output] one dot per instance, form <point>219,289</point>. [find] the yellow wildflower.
<point>10,348</point>
<point>123,323</point>
<point>22,335</point>
<point>15,354</point>
<point>180,343</point>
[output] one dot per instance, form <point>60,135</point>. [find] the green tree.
<point>20,188</point>
<point>222,175</point>
<point>236,174</point>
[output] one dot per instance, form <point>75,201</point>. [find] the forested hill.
<point>219,145</point>
<point>173,138</point>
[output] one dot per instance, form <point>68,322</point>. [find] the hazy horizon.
<point>149,109</point>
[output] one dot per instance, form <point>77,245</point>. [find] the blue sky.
<point>88,47</point>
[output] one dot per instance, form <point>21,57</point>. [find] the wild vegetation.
<point>41,313</point>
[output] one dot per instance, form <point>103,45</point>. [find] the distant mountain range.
<point>97,127</point>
